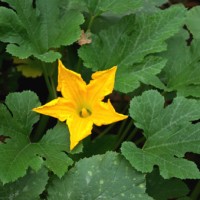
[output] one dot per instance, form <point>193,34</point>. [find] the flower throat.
<point>85,113</point>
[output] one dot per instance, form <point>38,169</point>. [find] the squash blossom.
<point>81,105</point>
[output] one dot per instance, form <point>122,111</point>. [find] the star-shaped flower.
<point>81,105</point>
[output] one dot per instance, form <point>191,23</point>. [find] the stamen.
<point>85,113</point>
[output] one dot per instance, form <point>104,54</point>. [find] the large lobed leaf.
<point>18,153</point>
<point>34,31</point>
<point>128,42</point>
<point>169,135</point>
<point>29,187</point>
<point>107,176</point>
<point>182,72</point>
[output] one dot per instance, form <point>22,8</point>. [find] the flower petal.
<point>101,85</point>
<point>79,129</point>
<point>59,108</point>
<point>104,113</point>
<point>71,85</point>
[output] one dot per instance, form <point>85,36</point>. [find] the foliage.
<point>17,120</point>
<point>98,177</point>
<point>28,187</point>
<point>182,68</point>
<point>166,132</point>
<point>152,154</point>
<point>132,40</point>
<point>20,27</point>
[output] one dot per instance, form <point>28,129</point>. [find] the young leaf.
<point>107,176</point>
<point>169,135</point>
<point>34,31</point>
<point>128,42</point>
<point>182,71</point>
<point>162,189</point>
<point>28,187</point>
<point>29,67</point>
<point>18,153</point>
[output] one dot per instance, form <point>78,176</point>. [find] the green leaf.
<point>129,41</point>
<point>96,7</point>
<point>34,31</point>
<point>28,187</point>
<point>182,71</point>
<point>17,115</point>
<point>52,147</point>
<point>129,78</point>
<point>107,176</point>
<point>169,135</point>
<point>29,67</point>
<point>132,39</point>
<point>18,154</point>
<point>162,189</point>
<point>192,21</point>
<point>152,6</point>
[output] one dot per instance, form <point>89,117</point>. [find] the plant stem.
<point>48,83</point>
<point>38,133</point>
<point>142,139</point>
<point>105,131</point>
<point>90,23</point>
<point>132,135</point>
<point>78,65</point>
<point>121,128</point>
<point>196,192</point>
<point>88,28</point>
<point>53,87</point>
<point>128,127</point>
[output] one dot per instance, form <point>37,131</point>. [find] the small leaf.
<point>169,135</point>
<point>28,67</point>
<point>85,38</point>
<point>28,187</point>
<point>34,31</point>
<point>18,153</point>
<point>107,176</point>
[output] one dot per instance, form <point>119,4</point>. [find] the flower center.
<point>85,113</point>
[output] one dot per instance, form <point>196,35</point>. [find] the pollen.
<point>85,113</point>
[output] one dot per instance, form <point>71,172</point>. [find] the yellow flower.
<point>81,105</point>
